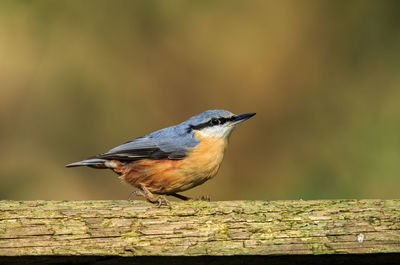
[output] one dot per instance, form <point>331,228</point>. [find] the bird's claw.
<point>162,200</point>
<point>135,193</point>
<point>205,198</point>
<point>159,200</point>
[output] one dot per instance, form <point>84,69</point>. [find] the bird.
<point>173,159</point>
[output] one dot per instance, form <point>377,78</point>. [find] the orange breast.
<point>169,176</point>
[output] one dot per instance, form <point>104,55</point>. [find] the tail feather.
<point>95,162</point>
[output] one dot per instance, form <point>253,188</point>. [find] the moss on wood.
<point>137,228</point>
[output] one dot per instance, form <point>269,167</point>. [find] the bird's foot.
<point>184,198</point>
<point>150,197</point>
<point>161,200</point>
<point>136,193</point>
<point>205,198</point>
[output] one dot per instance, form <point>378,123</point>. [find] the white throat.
<point>219,131</point>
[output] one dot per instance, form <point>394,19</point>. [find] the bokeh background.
<point>80,77</point>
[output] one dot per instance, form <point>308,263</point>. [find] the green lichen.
<point>127,228</point>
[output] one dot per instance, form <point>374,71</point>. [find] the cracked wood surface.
<point>136,228</point>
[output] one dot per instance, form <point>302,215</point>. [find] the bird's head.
<point>216,123</point>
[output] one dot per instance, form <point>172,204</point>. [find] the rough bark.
<point>136,228</point>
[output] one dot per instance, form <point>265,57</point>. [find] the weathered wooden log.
<point>137,228</point>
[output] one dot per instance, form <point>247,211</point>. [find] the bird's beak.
<point>242,117</point>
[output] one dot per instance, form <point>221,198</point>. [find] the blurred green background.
<point>80,77</point>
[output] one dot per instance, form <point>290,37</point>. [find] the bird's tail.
<point>93,162</point>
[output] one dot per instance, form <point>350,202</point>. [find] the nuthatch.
<point>172,159</point>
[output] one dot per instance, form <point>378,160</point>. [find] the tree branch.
<point>122,228</point>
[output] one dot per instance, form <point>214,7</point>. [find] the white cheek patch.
<point>217,131</point>
<point>110,164</point>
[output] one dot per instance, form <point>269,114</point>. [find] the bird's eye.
<point>215,121</point>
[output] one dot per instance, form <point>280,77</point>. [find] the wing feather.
<point>142,148</point>
<point>169,143</point>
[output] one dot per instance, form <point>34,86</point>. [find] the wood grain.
<point>136,228</point>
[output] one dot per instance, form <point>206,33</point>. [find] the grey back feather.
<point>168,143</point>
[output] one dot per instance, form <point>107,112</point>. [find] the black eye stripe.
<point>222,120</point>
<point>210,123</point>
<point>214,121</point>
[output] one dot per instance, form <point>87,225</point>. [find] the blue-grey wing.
<point>164,144</point>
